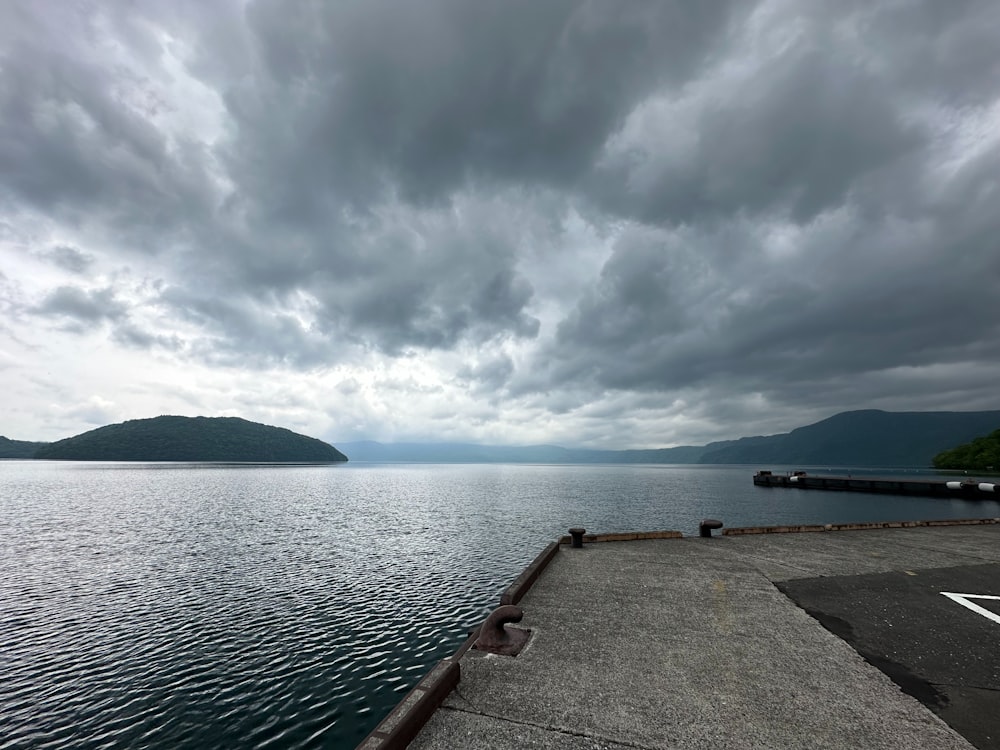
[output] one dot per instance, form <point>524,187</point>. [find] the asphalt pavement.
<point>933,631</point>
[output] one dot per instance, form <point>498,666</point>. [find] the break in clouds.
<point>576,222</point>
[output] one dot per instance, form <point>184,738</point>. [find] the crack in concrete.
<point>546,728</point>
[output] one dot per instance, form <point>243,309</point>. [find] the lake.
<point>233,606</point>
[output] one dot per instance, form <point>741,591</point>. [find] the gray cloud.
<point>70,258</point>
<point>689,309</point>
<point>81,306</point>
<point>489,375</point>
<point>241,331</point>
<point>793,140</point>
<point>424,98</point>
<point>711,212</point>
<point>136,337</point>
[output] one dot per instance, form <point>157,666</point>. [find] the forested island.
<point>18,448</point>
<point>169,438</point>
<point>982,454</point>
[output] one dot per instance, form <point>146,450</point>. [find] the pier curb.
<point>521,584</point>
<point>406,720</point>
<point>628,536</point>
<point>742,531</point>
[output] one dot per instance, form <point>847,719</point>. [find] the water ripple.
<point>267,607</point>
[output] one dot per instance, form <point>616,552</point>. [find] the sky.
<point>590,224</point>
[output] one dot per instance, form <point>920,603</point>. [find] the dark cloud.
<point>81,306</point>
<point>387,101</point>
<point>928,49</point>
<point>433,313</point>
<point>81,142</point>
<point>136,337</point>
<point>699,211</point>
<point>424,98</point>
<point>70,258</point>
<point>793,140</point>
<point>246,332</point>
<point>489,374</point>
<point>676,310</point>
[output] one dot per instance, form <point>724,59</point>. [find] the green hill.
<point>18,448</point>
<point>192,439</point>
<point>982,454</point>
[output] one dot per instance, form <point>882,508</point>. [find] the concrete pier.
<point>746,641</point>
<point>965,488</point>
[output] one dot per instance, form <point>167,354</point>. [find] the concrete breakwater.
<point>965,488</point>
<point>743,639</point>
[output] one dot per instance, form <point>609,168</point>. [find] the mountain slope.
<point>368,450</point>
<point>18,448</point>
<point>171,438</point>
<point>861,438</point>
<point>856,438</point>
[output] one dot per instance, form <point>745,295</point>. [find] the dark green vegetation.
<point>854,438</point>
<point>192,439</point>
<point>982,454</point>
<point>18,448</point>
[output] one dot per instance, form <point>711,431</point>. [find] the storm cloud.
<point>574,222</point>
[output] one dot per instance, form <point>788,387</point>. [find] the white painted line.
<point>963,599</point>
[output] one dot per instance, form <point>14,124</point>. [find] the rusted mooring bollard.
<point>577,535</point>
<point>706,526</point>
<point>497,639</point>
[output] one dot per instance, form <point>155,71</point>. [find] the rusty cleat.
<point>494,638</point>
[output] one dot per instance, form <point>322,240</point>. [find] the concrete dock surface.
<point>747,642</point>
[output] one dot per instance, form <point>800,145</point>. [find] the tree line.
<point>982,454</point>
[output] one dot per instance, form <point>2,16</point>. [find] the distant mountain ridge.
<point>368,450</point>
<point>171,438</point>
<point>856,438</point>
<point>862,438</point>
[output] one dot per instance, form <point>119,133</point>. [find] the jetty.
<point>850,636</point>
<point>958,488</point>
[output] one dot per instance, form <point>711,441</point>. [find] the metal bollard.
<point>577,535</point>
<point>496,639</point>
<point>706,526</point>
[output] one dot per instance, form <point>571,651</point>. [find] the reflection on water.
<point>195,606</point>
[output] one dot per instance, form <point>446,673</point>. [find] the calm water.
<point>192,606</point>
